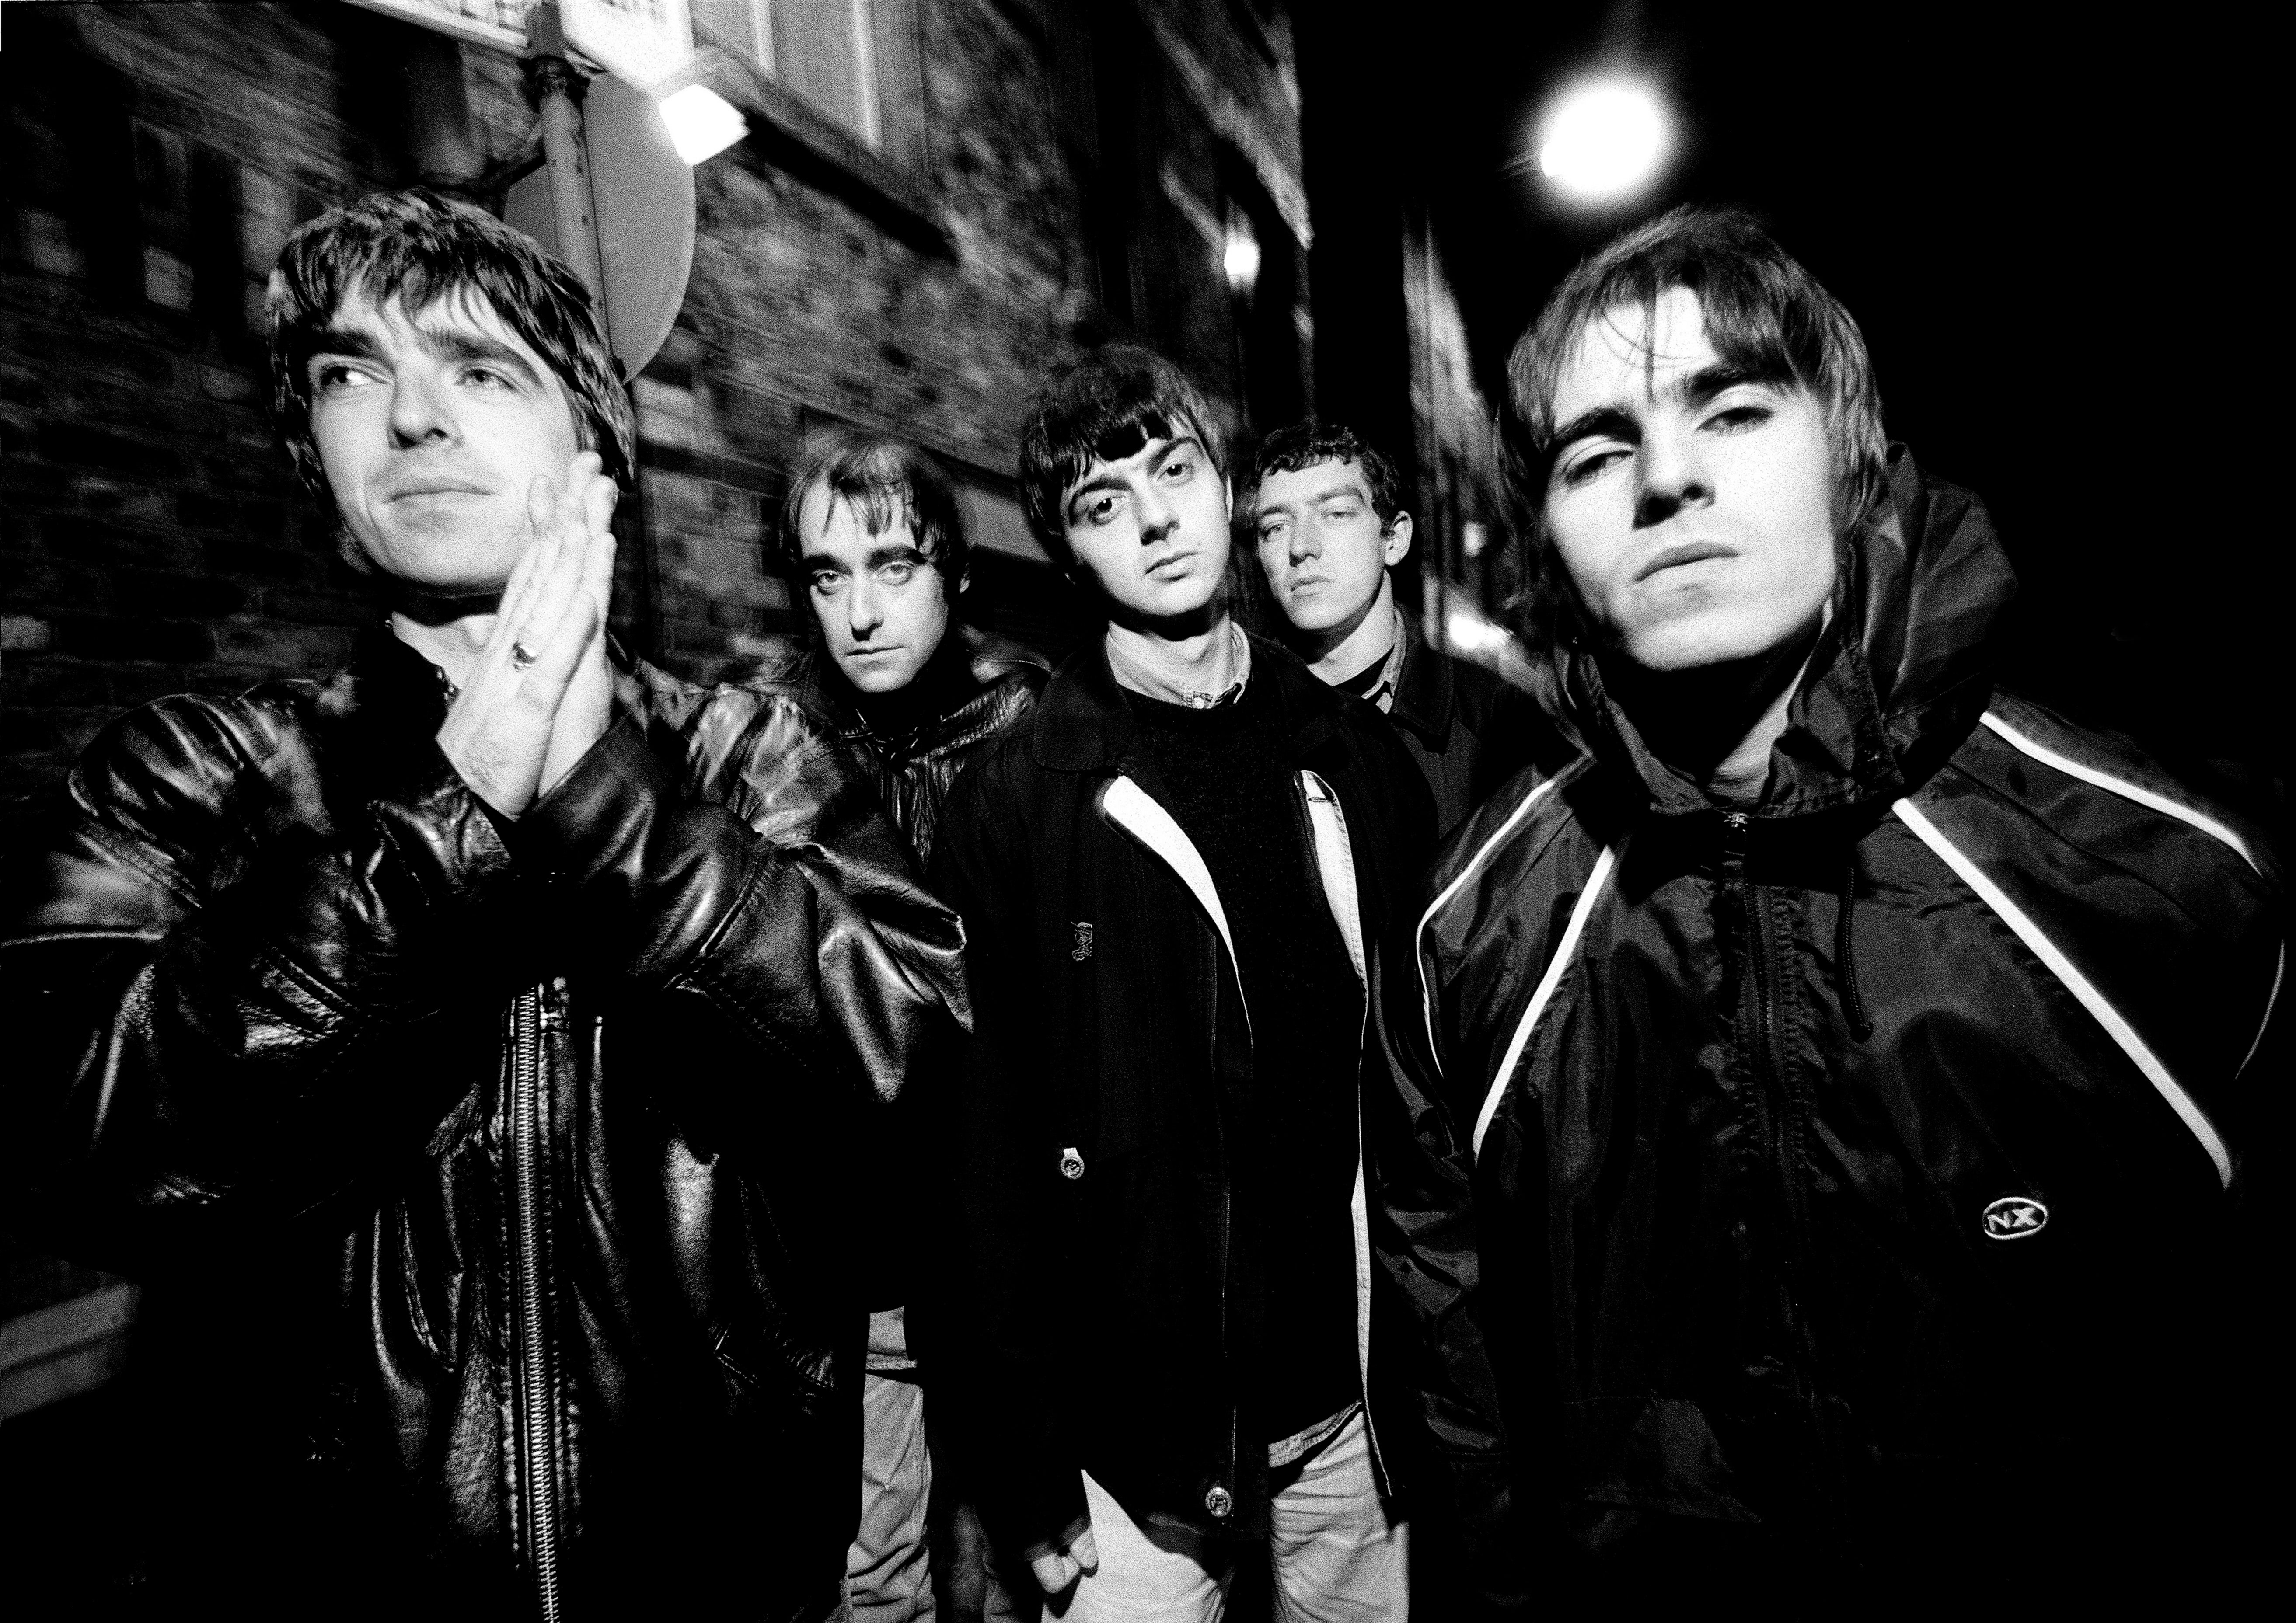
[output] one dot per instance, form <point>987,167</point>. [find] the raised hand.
<point>500,731</point>
<point>587,709</point>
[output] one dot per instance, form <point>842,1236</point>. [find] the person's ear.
<point>1397,539</point>
<point>1227,498</point>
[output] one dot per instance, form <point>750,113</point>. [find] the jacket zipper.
<point>531,1376</point>
<point>1783,1112</point>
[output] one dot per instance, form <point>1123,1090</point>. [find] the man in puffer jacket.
<point>468,1052</point>
<point>1847,1058</point>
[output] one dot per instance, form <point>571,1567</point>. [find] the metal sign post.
<point>557,89</point>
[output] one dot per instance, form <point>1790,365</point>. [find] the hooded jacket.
<point>482,1174</point>
<point>1852,1171</point>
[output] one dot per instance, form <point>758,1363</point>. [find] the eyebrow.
<point>1696,389</point>
<point>1351,489</point>
<point>897,551</point>
<point>452,344</point>
<point>1110,481</point>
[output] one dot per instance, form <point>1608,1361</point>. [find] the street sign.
<point>499,23</point>
<point>646,41</point>
<point>644,196</point>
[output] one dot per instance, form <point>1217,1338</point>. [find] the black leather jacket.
<point>911,750</point>
<point>491,1174</point>
<point>974,687</point>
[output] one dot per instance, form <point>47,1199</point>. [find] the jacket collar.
<point>1423,688</point>
<point>1895,682</point>
<point>979,674</point>
<point>1084,724</point>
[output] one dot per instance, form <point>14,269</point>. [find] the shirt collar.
<point>1130,673</point>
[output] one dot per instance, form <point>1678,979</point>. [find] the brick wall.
<point>152,157</point>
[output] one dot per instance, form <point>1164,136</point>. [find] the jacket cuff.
<point>612,796</point>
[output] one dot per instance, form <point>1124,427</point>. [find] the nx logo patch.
<point>2016,1216</point>
<point>1083,948</point>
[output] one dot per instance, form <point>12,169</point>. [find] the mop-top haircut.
<point>1307,444</point>
<point>1763,313</point>
<point>1104,408</point>
<point>420,249</point>
<point>887,481</point>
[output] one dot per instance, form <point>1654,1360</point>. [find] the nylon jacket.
<point>502,1158</point>
<point>1105,1301</point>
<point>1853,1169</point>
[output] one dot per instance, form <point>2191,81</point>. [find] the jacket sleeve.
<point>1429,1249</point>
<point>238,1002</point>
<point>801,923</point>
<point>213,989</point>
<point>1000,1325</point>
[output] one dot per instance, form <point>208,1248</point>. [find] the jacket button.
<point>1217,1501</point>
<point>1072,1165</point>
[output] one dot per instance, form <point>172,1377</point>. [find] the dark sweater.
<point>1221,774</point>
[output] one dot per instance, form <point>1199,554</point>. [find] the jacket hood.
<point>1897,679</point>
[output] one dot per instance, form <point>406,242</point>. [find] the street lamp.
<point>1604,140</point>
<point>702,122</point>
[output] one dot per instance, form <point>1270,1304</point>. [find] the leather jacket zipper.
<point>536,1405</point>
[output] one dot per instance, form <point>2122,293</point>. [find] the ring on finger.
<point>522,657</point>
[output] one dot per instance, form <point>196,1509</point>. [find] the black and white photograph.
<point>1140,811</point>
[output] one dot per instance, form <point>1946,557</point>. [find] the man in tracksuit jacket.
<point>1847,1058</point>
<point>1172,1345</point>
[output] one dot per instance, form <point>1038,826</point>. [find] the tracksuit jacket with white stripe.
<point>1859,1172</point>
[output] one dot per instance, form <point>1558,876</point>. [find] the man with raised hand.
<point>873,542</point>
<point>1846,1057</point>
<point>467,1050</point>
<point>1327,520</point>
<point>1173,1347</point>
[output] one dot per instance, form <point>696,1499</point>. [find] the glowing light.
<point>1603,141</point>
<point>1241,259</point>
<point>702,122</point>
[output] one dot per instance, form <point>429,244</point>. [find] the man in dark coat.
<point>872,539</point>
<point>1177,1349</point>
<point>1847,1058</point>
<point>468,1050</point>
<point>1326,516</point>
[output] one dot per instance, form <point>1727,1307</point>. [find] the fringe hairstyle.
<point>1762,311</point>
<point>887,481</point>
<point>1104,408</point>
<point>419,248</point>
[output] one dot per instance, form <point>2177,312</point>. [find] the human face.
<point>432,426</point>
<point>1322,546</point>
<point>883,608</point>
<point>1151,531</point>
<point>1691,503</point>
